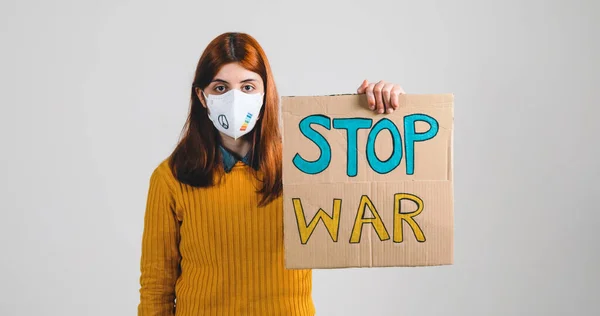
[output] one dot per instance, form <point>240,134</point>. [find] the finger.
<point>386,98</point>
<point>370,96</point>
<point>394,96</point>
<point>380,107</point>
<point>362,87</point>
<point>396,91</point>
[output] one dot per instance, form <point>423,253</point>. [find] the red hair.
<point>196,160</point>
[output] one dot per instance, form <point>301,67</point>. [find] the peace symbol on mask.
<point>223,121</point>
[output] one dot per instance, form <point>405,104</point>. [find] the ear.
<point>200,96</point>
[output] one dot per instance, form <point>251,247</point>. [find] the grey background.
<point>94,95</point>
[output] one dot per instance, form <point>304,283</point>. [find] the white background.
<point>94,95</point>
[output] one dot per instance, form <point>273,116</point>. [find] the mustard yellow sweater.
<point>213,251</point>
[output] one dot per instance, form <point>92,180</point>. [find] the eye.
<point>250,88</point>
<point>219,88</point>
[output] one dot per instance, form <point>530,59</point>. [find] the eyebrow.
<point>223,81</point>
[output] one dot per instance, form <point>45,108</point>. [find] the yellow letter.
<point>408,217</point>
<point>360,221</point>
<point>331,223</point>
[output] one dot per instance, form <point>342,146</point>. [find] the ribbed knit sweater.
<point>213,251</point>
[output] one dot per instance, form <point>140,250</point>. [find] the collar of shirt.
<point>230,159</point>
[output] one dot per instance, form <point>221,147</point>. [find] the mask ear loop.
<point>206,103</point>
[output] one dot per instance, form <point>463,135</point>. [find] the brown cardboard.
<point>384,238</point>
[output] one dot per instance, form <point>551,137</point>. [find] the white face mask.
<point>234,113</point>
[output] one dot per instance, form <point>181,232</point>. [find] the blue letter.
<point>391,163</point>
<point>351,125</point>
<point>314,167</point>
<point>411,136</point>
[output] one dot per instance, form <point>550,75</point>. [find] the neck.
<point>241,146</point>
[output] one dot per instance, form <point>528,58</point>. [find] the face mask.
<point>234,113</point>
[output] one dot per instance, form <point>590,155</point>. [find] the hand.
<point>382,96</point>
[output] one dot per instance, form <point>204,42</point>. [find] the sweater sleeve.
<point>160,256</point>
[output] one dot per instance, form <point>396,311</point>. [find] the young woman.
<point>213,228</point>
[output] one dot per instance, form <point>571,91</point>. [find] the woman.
<point>213,236</point>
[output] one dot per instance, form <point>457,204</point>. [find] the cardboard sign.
<point>363,189</point>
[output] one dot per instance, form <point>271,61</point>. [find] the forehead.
<point>234,72</point>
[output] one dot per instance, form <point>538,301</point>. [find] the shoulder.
<point>162,174</point>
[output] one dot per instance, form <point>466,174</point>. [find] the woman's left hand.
<point>381,96</point>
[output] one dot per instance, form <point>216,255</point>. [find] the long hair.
<point>196,160</point>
